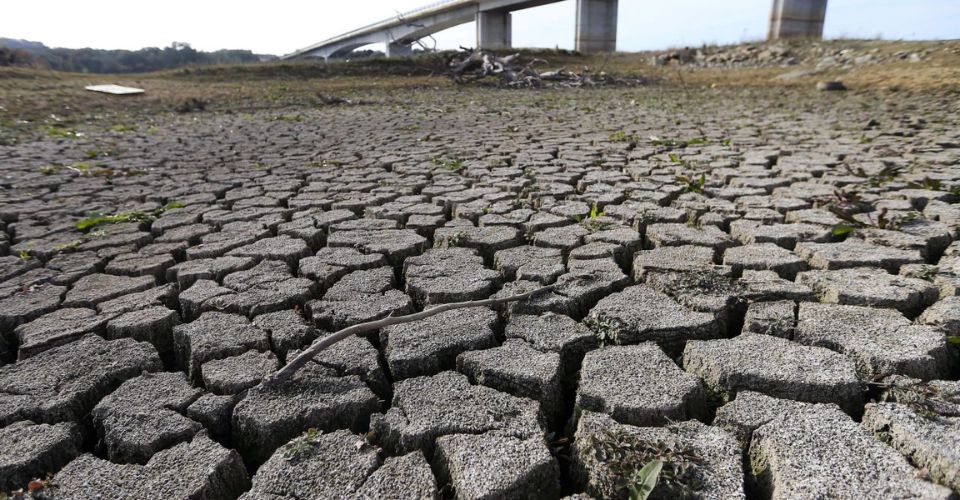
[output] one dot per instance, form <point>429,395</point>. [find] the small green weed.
<point>636,467</point>
<point>95,219</point>
<point>692,183</point>
<point>452,164</point>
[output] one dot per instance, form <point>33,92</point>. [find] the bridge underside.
<point>595,30</point>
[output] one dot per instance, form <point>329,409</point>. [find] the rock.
<point>448,275</point>
<point>266,287</point>
<point>931,442</point>
<point>640,313</point>
<point>492,466</point>
<point>340,465</point>
<point>144,416</point>
<point>269,416</point>
<point>864,286</point>
<point>29,451</point>
<point>554,333</point>
<point>638,385</point>
<point>282,248</point>
<point>430,345</point>
<point>64,383</point>
<point>519,369</point>
<point>852,253</point>
<point>288,330</point>
<point>55,329</point>
<point>330,264</point>
<point>881,342</point>
<point>213,336</point>
<point>396,244</point>
<point>706,461</point>
<point>238,373</point>
<point>819,452</point>
<point>425,408</point>
<point>750,410</point>
<point>95,288</point>
<point>407,476</point>
<point>678,258</point>
<point>486,240</point>
<point>29,305</point>
<point>771,318</point>
<point>200,468</point>
<point>154,325</point>
<point>361,296</point>
<point>831,85</point>
<point>944,314</point>
<point>214,412</point>
<point>525,262</point>
<point>776,367</point>
<point>764,257</point>
<point>671,235</point>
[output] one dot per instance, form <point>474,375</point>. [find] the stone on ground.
<point>865,286</point>
<point>881,342</point>
<point>640,313</point>
<point>776,367</point>
<point>145,415</point>
<point>200,468</point>
<point>519,369</point>
<point>269,416</point>
<point>425,408</point>
<point>430,345</point>
<point>638,385</point>
<point>64,383</point>
<point>493,466</point>
<point>30,451</point>
<point>820,452</point>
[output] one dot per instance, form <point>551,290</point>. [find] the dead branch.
<point>475,65</point>
<point>309,353</point>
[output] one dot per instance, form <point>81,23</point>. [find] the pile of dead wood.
<point>483,66</point>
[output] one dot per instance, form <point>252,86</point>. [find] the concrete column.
<point>797,19</point>
<point>596,26</point>
<point>494,29</point>
<point>399,49</point>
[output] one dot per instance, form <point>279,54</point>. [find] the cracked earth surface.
<point>761,283</point>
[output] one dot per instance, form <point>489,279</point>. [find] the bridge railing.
<point>404,15</point>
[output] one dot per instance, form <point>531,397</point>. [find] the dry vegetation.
<point>33,99</point>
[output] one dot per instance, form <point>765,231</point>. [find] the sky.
<point>282,26</point>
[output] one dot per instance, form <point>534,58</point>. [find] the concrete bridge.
<point>596,25</point>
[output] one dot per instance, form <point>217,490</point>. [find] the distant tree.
<point>14,57</point>
<point>178,54</point>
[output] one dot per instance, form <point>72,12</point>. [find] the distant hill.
<point>15,52</point>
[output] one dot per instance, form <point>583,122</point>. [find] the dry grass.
<point>30,97</point>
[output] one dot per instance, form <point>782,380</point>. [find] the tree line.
<point>178,54</point>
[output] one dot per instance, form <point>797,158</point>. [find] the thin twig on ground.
<point>309,353</point>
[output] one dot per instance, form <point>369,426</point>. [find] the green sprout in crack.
<point>95,219</point>
<point>621,136</point>
<point>636,468</point>
<point>691,183</point>
<point>451,164</point>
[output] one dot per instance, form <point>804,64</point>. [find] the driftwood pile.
<point>477,65</point>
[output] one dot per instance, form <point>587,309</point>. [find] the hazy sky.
<point>281,26</point>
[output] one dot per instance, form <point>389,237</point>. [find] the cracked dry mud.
<point>729,322</point>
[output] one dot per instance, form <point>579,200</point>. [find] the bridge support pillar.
<point>797,19</point>
<point>596,26</point>
<point>399,49</point>
<point>494,29</point>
